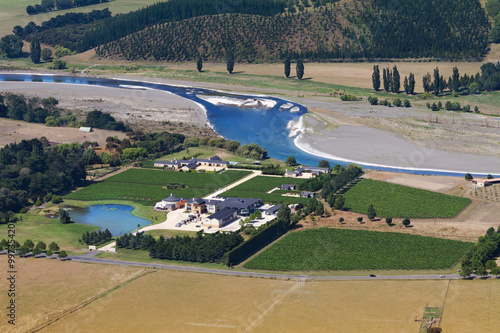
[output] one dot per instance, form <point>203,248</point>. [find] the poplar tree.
<point>36,51</point>
<point>300,69</point>
<point>437,82</point>
<point>396,80</point>
<point>230,62</point>
<point>287,67</point>
<point>406,85</point>
<point>411,84</point>
<point>199,64</point>
<point>371,212</point>
<point>376,78</point>
<point>455,80</point>
<point>386,80</point>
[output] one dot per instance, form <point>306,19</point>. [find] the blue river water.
<point>266,127</point>
<point>117,218</point>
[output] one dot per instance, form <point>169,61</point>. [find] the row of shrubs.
<point>397,102</point>
<point>451,106</point>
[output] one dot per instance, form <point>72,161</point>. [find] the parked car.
<point>442,276</point>
<point>198,226</point>
<point>373,275</point>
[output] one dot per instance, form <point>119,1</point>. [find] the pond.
<point>117,218</point>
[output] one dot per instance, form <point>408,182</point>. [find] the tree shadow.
<point>306,78</point>
<point>238,72</point>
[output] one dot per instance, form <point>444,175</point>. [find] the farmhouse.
<point>170,203</point>
<point>293,173</point>
<point>85,129</point>
<point>315,171</point>
<point>305,194</point>
<point>288,187</point>
<point>485,182</point>
<point>193,163</point>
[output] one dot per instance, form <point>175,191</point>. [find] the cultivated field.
<point>335,249</point>
<point>259,186</point>
<point>320,306</point>
<point>46,289</point>
<point>190,179</point>
<point>393,200</point>
<point>286,306</point>
<point>146,186</point>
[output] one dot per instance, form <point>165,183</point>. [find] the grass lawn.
<point>38,228</point>
<point>393,200</point>
<point>143,256</point>
<point>200,152</point>
<point>144,186</point>
<point>13,12</point>
<point>344,249</point>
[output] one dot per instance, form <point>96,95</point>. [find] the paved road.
<point>254,174</point>
<point>91,259</point>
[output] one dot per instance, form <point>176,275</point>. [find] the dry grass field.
<point>47,288</point>
<point>193,302</point>
<point>346,74</point>
<point>15,131</point>
<point>472,306</point>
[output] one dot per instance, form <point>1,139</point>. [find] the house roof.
<point>223,214</point>
<point>198,201</point>
<point>171,198</point>
<point>288,186</point>
<point>306,193</point>
<point>239,203</point>
<point>215,158</point>
<point>273,209</point>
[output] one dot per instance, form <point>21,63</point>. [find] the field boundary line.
<point>89,301</point>
<point>270,307</point>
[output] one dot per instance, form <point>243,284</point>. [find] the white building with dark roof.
<point>170,203</point>
<point>185,165</point>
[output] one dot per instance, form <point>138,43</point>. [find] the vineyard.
<point>190,179</point>
<point>145,186</point>
<point>392,200</point>
<point>335,249</point>
<point>258,186</point>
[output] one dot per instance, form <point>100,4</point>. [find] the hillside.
<point>345,30</point>
<point>256,30</point>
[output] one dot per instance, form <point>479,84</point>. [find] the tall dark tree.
<point>411,84</point>
<point>199,64</point>
<point>455,80</point>
<point>385,78</point>
<point>437,82</point>
<point>371,212</point>
<point>376,78</point>
<point>230,62</point>
<point>406,85</point>
<point>426,82</point>
<point>300,69</point>
<point>396,80</point>
<point>287,67</point>
<point>36,51</point>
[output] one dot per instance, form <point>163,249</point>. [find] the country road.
<point>91,259</point>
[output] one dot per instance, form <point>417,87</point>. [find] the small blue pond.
<point>117,218</point>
